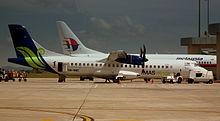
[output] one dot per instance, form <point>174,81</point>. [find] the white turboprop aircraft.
<point>72,46</point>
<point>115,66</point>
<point>69,42</point>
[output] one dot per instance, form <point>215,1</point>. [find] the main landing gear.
<point>62,78</point>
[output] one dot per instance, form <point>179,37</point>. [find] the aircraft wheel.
<point>171,81</point>
<point>115,80</point>
<point>81,79</point>
<point>190,81</point>
<point>210,82</point>
<point>91,79</point>
<point>62,78</point>
<point>179,80</point>
<point>164,82</point>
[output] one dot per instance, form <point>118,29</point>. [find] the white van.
<point>196,76</point>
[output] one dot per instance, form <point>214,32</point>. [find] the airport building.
<point>200,45</point>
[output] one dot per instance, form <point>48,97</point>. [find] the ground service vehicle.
<point>196,76</point>
<point>3,76</point>
<point>7,76</point>
<point>22,75</point>
<point>172,79</point>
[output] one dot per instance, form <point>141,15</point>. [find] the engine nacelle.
<point>125,75</point>
<point>131,59</point>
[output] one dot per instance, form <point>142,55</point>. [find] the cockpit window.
<point>195,64</point>
<point>198,74</point>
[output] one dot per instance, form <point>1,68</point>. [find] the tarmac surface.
<point>46,100</point>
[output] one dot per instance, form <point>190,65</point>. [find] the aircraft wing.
<point>122,57</point>
<point>113,56</point>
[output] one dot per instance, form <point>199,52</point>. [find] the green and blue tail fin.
<point>29,53</point>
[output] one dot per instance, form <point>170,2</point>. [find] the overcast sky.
<point>107,25</point>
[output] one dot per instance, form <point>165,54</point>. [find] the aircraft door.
<point>60,67</point>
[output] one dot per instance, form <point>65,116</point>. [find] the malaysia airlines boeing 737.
<point>116,66</point>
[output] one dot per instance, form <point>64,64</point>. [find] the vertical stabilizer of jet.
<point>29,53</point>
<point>70,42</point>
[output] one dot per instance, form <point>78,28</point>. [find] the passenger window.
<point>100,65</point>
<point>155,66</point>
<point>167,66</point>
<point>146,66</point>
<point>113,65</point>
<point>109,65</point>
<point>117,65</point>
<point>129,66</point>
<point>87,64</point>
<point>96,64</point>
<point>92,64</point>
<point>138,66</point>
<point>84,64</point>
<point>79,64</point>
<point>150,66</point>
<point>162,66</point>
<point>122,65</point>
<point>134,66</point>
<point>158,66</point>
<point>75,64</point>
<point>126,66</point>
<point>71,64</point>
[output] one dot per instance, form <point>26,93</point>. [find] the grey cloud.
<point>43,6</point>
<point>122,25</point>
<point>100,32</point>
<point>99,23</point>
<point>67,5</point>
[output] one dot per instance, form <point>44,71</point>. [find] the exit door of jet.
<point>60,67</point>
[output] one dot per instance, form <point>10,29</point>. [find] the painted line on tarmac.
<point>128,120</point>
<point>84,117</point>
<point>171,110</point>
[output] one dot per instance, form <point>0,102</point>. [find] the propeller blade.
<point>141,52</point>
<point>144,54</point>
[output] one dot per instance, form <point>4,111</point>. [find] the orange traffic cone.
<point>119,81</point>
<point>152,81</point>
<point>146,80</point>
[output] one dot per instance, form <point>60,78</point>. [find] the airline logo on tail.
<point>71,43</point>
<point>33,60</point>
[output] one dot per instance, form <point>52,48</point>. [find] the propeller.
<point>143,55</point>
<point>141,52</point>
